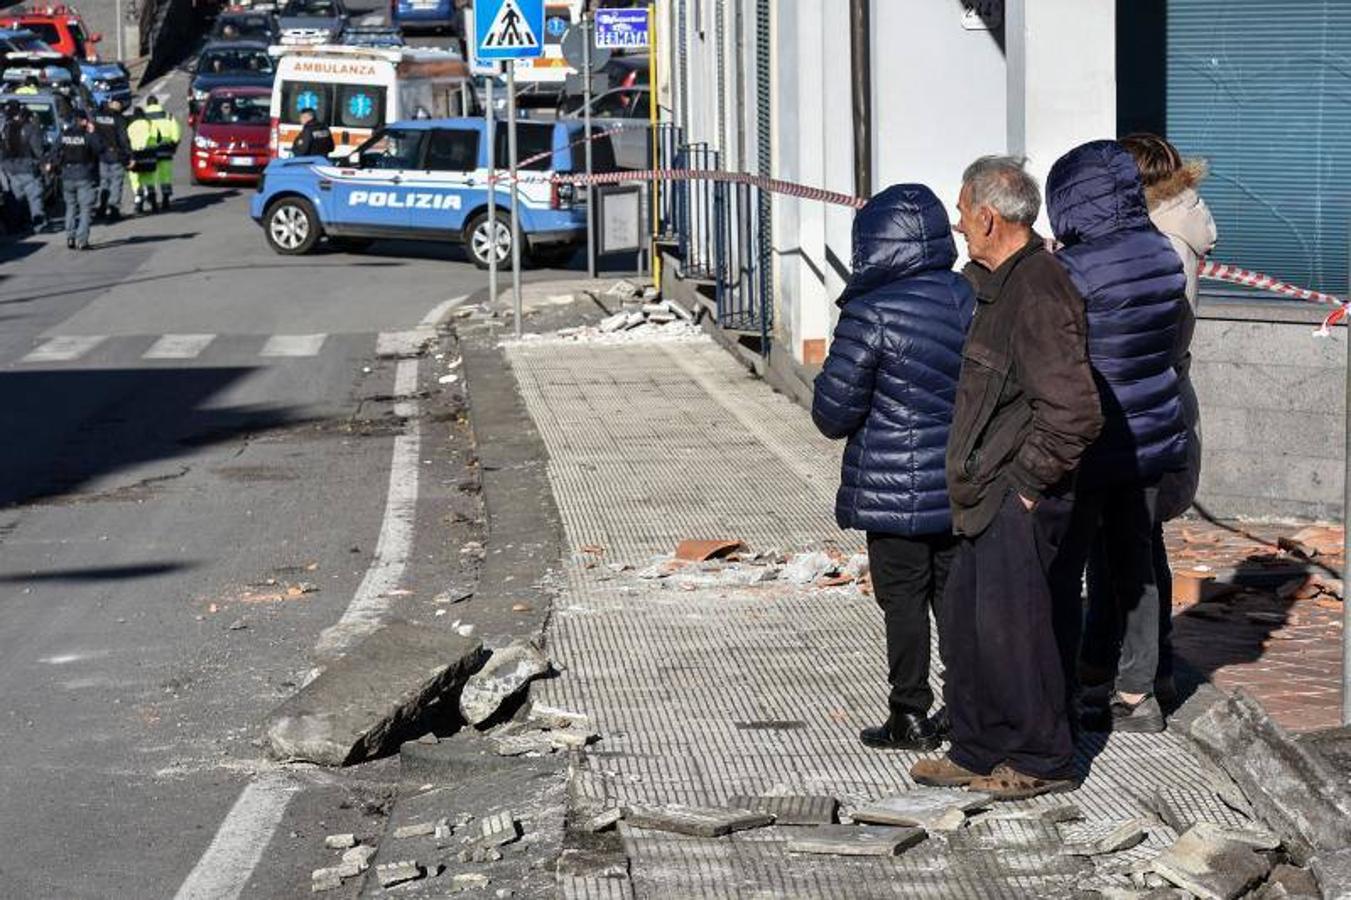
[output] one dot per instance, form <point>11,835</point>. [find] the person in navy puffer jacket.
<point>1134,290</point>
<point>888,386</point>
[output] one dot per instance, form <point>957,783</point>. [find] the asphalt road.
<point>194,475</point>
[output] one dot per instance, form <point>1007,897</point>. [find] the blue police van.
<point>427,179</point>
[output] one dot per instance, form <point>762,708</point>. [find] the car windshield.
<point>78,38</point>
<point>47,31</point>
<point>245,28</point>
<point>220,62</point>
<point>42,113</point>
<point>27,43</point>
<point>322,8</point>
<point>237,111</point>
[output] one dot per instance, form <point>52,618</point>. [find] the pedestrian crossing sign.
<point>509,29</point>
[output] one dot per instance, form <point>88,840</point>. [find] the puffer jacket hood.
<point>1095,190</point>
<point>890,380</point>
<point>902,230</point>
<point>1134,288</point>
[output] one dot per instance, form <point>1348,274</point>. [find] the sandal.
<point>1006,783</point>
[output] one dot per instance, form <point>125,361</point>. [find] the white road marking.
<point>293,345</point>
<point>178,346</point>
<point>229,861</point>
<point>393,547</point>
<point>65,348</point>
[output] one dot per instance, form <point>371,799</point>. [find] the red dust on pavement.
<point>1280,638</point>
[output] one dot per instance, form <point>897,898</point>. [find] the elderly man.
<point>1026,410</point>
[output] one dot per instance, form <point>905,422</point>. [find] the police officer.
<point>30,85</point>
<point>168,134</point>
<point>314,139</point>
<point>21,157</point>
<point>143,139</point>
<point>77,156</point>
<point>111,126</point>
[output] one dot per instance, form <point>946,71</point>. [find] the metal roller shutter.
<point>1263,92</point>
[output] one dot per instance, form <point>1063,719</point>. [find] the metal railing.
<point>741,286</point>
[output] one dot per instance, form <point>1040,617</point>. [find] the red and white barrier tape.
<point>1248,278</point>
<point>1213,271</point>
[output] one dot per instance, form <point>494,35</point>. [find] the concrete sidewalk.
<point>703,691</point>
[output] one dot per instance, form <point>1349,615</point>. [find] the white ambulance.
<point>355,90</point>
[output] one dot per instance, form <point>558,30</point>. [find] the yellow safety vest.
<point>141,134</point>
<point>165,125</point>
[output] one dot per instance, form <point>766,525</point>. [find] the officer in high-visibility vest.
<point>30,85</point>
<point>168,134</point>
<point>144,140</point>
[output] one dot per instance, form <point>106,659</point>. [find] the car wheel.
<point>291,226</point>
<point>477,241</point>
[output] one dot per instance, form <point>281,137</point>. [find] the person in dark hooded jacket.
<point>1134,293</point>
<point>888,386</point>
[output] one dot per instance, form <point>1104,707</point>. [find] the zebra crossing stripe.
<point>64,348</point>
<point>293,345</point>
<point>178,346</point>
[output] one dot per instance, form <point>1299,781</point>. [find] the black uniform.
<point>314,140</point>
<point>77,155</point>
<point>111,127</point>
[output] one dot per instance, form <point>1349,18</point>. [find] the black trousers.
<point>908,577</point>
<point>1005,683</point>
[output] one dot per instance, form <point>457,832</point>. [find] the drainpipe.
<point>860,55</point>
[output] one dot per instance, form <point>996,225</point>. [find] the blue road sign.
<point>622,28</point>
<point>509,29</point>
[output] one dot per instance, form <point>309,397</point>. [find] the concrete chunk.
<point>854,840</point>
<point>507,671</point>
<point>360,855</point>
<point>357,707</point>
<point>394,873</point>
<point>1123,837</point>
<point>340,841</point>
<point>325,880</point>
<point>1211,865</point>
<point>614,323</point>
<point>806,809</point>
<point>700,821</point>
<point>604,821</point>
<point>1333,872</point>
<point>421,829</point>
<point>934,809</point>
<point>1291,787</point>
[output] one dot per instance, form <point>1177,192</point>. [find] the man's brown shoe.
<point>941,772</point>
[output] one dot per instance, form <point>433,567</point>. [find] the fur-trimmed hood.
<point>1192,173</point>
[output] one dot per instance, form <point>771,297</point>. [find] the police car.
<point>427,179</point>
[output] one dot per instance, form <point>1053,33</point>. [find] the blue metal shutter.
<point>1262,90</point>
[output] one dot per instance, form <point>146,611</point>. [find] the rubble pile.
<point>641,315</point>
<point>697,564</point>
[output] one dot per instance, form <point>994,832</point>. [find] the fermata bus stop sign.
<point>509,29</point>
<point>626,29</point>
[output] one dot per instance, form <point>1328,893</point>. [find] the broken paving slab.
<point>421,829</point>
<point>698,821</point>
<point>498,831</point>
<point>1006,834</point>
<point>394,873</point>
<point>1291,787</point>
<point>506,672</point>
<point>704,550</point>
<point>360,856</point>
<point>340,841</point>
<point>800,809</point>
<point>364,701</point>
<point>1122,837</point>
<point>934,809</point>
<point>1212,865</point>
<point>854,840</point>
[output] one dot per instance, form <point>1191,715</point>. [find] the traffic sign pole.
<point>490,124</point>
<point>515,201</point>
<point>654,93</point>
<point>586,105</point>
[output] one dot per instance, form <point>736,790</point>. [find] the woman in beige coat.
<point>1178,211</point>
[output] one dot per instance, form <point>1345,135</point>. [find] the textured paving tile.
<point>652,444</point>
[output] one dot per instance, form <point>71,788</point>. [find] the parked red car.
<point>59,26</point>
<point>230,136</point>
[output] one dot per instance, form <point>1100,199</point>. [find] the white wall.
<point>1062,79</point>
<point>938,96</point>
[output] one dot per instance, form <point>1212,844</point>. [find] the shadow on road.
<point>100,573</point>
<point>198,200</point>
<point>144,239</point>
<point>66,427</point>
